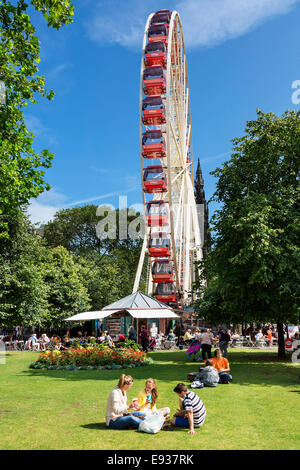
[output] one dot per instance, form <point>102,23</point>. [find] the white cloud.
<point>119,22</point>
<point>41,213</point>
<point>210,22</point>
<point>205,22</point>
<point>102,196</point>
<point>42,209</point>
<point>133,182</point>
<point>56,71</point>
<point>102,171</point>
<point>38,128</point>
<point>220,156</point>
<point>53,197</point>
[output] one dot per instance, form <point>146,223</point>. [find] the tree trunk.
<point>281,345</point>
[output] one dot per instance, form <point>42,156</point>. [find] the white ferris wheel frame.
<point>184,227</point>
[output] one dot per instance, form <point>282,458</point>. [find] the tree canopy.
<point>112,257</point>
<point>39,286</point>
<point>78,229</point>
<point>254,263</point>
<point>22,169</point>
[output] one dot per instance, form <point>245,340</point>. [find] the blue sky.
<point>241,55</point>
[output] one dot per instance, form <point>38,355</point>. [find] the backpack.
<point>152,424</point>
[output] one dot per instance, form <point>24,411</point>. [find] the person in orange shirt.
<point>222,366</point>
<point>270,336</point>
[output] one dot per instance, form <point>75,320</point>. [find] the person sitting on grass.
<point>117,415</point>
<point>191,413</point>
<point>222,366</point>
<point>208,375</point>
<point>147,400</point>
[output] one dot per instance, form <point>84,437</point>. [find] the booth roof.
<point>135,313</point>
<point>138,305</point>
<point>136,300</point>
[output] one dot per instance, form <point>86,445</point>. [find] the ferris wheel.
<point>172,236</point>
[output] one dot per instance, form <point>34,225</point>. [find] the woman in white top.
<point>206,339</point>
<point>44,341</point>
<point>197,334</point>
<point>117,416</point>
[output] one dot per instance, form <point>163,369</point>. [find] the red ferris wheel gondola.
<point>161,16</point>
<point>154,80</point>
<point>155,179</point>
<point>162,271</point>
<point>154,145</point>
<point>166,292</point>
<point>153,111</point>
<point>156,54</point>
<point>158,32</point>
<point>157,214</point>
<point>159,244</point>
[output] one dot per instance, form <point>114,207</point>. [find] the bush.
<point>128,344</point>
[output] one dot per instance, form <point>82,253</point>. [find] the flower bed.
<point>91,358</point>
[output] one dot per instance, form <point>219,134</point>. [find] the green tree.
<point>102,281</point>
<point>39,286</point>
<point>76,230</point>
<point>254,265</point>
<point>23,292</point>
<point>67,294</point>
<point>22,169</point>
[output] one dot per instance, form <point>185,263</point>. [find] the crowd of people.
<point>200,340</point>
<point>35,342</point>
<point>203,340</point>
<point>267,333</point>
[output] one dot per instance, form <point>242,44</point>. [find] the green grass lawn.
<point>48,409</point>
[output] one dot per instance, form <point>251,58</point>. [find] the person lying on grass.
<point>191,413</point>
<point>117,415</point>
<point>147,400</point>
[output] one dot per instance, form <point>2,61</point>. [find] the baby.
<point>134,404</point>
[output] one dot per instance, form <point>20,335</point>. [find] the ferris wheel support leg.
<point>187,248</point>
<point>141,264</point>
<point>150,282</point>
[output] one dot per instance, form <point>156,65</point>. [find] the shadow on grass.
<point>97,426</point>
<point>102,426</point>
<point>247,368</point>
